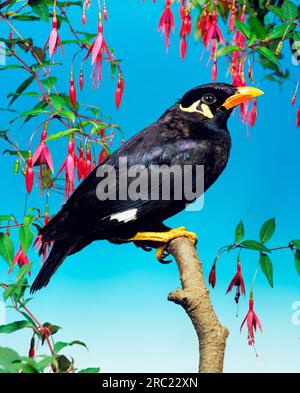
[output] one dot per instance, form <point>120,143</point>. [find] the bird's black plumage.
<point>190,132</point>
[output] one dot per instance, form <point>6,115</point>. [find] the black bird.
<point>192,132</point>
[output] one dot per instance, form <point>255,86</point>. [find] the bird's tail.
<point>60,250</point>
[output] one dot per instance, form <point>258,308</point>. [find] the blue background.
<point>115,297</point>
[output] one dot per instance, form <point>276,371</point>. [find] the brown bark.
<point>194,298</point>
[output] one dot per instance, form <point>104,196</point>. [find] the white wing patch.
<point>126,216</point>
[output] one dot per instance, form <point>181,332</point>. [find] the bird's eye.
<point>208,99</point>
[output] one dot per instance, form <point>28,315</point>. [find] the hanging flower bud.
<point>105,13</point>
<point>182,9</point>
<point>80,164</point>
<point>293,100</point>
<point>298,118</point>
<point>214,73</point>
<point>72,91</point>
<point>83,16</point>
<point>88,162</point>
<point>81,80</point>
<point>212,276</point>
<point>103,156</point>
<point>183,47</point>
<point>21,259</point>
<point>119,91</point>
<point>29,175</point>
<point>31,353</point>
<point>69,167</point>
<point>232,17</point>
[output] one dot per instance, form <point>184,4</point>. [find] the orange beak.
<point>243,94</point>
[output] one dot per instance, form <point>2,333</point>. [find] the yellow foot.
<point>165,238</point>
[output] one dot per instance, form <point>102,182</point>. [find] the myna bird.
<point>192,132</point>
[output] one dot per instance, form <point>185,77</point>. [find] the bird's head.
<point>214,102</point>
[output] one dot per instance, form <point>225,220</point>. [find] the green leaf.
<point>58,102</point>
<point>239,232</point>
<point>59,345</point>
<point>267,267</point>
<point>268,54</point>
<point>276,11</point>
<point>290,10</point>
<point>67,114</point>
<point>89,371</point>
<point>254,245</point>
<point>49,82</point>
<point>26,238</point>
<point>7,249</point>
<point>297,261</point>
<point>8,357</point>
<point>258,28</point>
<point>28,220</point>
<point>61,134</point>
<point>40,8</point>
<point>225,50</point>
<point>243,28</point>
<point>267,230</point>
<point>23,271</point>
<point>15,326</point>
<point>23,86</point>
<point>280,31</point>
<point>296,243</point>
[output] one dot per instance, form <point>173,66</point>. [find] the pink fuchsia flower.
<point>69,167</point>
<point>29,174</point>
<point>80,164</point>
<point>88,162</point>
<point>253,114</point>
<point>298,118</point>
<point>214,32</point>
<point>252,322</point>
<point>21,259</point>
<point>81,80</point>
<point>183,47</point>
<point>42,154</point>
<point>167,23</point>
<point>97,49</point>
<point>54,39</point>
<point>103,156</point>
<point>238,282</point>
<point>119,91</point>
<point>232,16</point>
<point>72,91</point>
<point>212,276</point>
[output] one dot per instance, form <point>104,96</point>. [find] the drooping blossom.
<point>103,156</point>
<point>253,113</point>
<point>81,80</point>
<point>80,164</point>
<point>21,259</point>
<point>232,16</point>
<point>83,16</point>
<point>69,167</point>
<point>54,39</point>
<point>105,13</point>
<point>298,118</point>
<point>214,32</point>
<point>97,49</point>
<point>238,282</point>
<point>43,159</point>
<point>185,30</point>
<point>252,321</point>
<point>88,162</point>
<point>29,174</point>
<point>119,91</point>
<point>212,276</point>
<point>72,91</point>
<point>167,23</point>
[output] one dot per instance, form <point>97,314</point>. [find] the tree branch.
<point>194,298</point>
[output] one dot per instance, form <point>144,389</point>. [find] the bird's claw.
<point>162,253</point>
